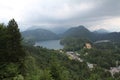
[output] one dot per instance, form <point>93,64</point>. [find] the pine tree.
<point>14,46</point>
<point>3,40</point>
<point>12,55</point>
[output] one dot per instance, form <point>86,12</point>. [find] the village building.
<point>114,70</point>
<point>88,45</point>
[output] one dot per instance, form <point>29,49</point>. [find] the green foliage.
<point>11,51</point>
<point>73,44</point>
<point>9,71</point>
<point>14,46</point>
<point>59,66</point>
<point>58,72</point>
<point>78,32</point>
<point>45,75</point>
<point>82,32</point>
<point>32,35</point>
<point>36,63</point>
<point>117,75</point>
<point>103,55</point>
<point>105,45</point>
<point>3,44</point>
<point>18,77</point>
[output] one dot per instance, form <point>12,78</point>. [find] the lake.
<point>50,44</point>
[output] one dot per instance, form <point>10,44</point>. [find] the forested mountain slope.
<point>25,62</point>
<point>39,35</point>
<point>84,33</point>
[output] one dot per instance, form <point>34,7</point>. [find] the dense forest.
<point>35,35</point>
<point>39,35</point>
<point>21,61</point>
<point>105,55</point>
<point>12,54</point>
<point>74,44</point>
<point>82,32</point>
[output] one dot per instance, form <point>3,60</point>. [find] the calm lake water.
<point>50,44</point>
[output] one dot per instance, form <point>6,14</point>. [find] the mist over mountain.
<point>82,32</point>
<point>114,36</point>
<point>59,40</point>
<point>34,27</point>
<point>39,35</point>
<point>57,30</point>
<point>101,31</point>
<point>79,31</point>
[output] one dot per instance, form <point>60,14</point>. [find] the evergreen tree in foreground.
<point>3,40</point>
<point>12,55</point>
<point>14,46</point>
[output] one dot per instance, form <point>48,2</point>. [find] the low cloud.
<point>93,14</point>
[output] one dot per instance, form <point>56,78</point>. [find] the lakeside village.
<point>73,55</point>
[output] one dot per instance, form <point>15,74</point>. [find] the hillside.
<point>39,35</point>
<point>79,31</point>
<point>76,32</point>
<point>114,36</point>
<point>25,62</point>
<point>101,31</point>
<point>84,33</point>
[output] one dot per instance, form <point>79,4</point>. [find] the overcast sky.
<point>94,14</point>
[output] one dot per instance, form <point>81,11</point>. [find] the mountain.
<point>114,36</point>
<point>101,31</point>
<point>82,32</point>
<point>79,31</point>
<point>57,29</point>
<point>39,35</point>
<point>35,27</point>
